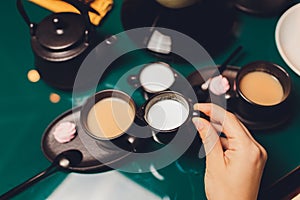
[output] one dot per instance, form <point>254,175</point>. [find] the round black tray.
<point>199,21</point>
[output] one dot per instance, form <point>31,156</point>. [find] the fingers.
<point>225,143</point>
<point>251,137</point>
<point>231,125</point>
<point>261,148</point>
<point>210,140</point>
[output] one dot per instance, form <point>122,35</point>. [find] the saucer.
<point>230,73</point>
<point>287,37</point>
<point>51,148</point>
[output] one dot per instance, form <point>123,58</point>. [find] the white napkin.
<point>160,43</point>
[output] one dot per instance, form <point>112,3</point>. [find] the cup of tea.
<point>107,117</point>
<point>263,90</point>
<point>154,77</point>
<point>165,113</point>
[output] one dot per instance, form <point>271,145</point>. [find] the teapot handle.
<point>26,17</point>
<point>82,7</point>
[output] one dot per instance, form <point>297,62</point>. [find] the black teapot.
<point>60,42</point>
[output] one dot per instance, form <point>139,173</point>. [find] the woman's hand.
<point>234,165</point>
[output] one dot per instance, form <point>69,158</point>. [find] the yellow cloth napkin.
<point>102,6</point>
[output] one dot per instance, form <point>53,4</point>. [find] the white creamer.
<point>167,114</point>
<point>156,77</point>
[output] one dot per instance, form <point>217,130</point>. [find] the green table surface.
<point>26,110</point>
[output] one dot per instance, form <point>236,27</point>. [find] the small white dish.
<point>287,37</point>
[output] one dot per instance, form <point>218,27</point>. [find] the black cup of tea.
<point>165,113</point>
<point>107,116</point>
<point>263,90</point>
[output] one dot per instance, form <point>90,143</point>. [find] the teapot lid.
<point>60,31</point>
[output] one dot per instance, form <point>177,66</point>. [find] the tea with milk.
<point>262,88</point>
<point>110,117</point>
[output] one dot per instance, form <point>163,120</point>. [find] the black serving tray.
<point>51,148</point>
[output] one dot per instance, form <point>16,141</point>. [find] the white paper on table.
<point>110,185</point>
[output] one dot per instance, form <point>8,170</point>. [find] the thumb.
<point>211,141</point>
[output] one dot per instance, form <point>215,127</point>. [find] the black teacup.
<point>263,90</point>
<point>165,113</point>
<point>107,116</point>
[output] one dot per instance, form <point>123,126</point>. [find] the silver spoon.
<point>62,161</point>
